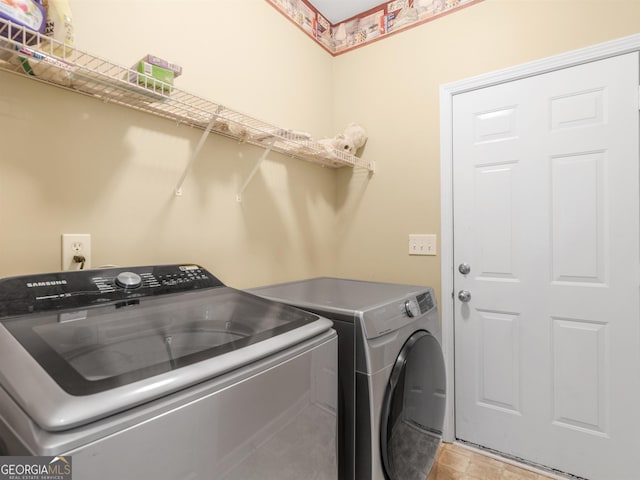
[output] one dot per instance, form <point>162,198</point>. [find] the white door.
<point>546,215</point>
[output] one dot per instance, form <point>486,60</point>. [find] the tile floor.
<point>455,462</point>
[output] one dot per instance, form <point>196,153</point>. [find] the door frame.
<point>447,92</point>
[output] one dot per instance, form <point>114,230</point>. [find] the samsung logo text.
<point>50,283</point>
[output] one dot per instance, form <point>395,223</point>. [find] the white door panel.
<point>546,194</point>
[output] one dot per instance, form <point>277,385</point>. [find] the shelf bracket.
<point>196,151</point>
<point>264,155</point>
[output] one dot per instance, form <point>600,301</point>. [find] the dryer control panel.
<point>395,315</point>
<point>85,288</point>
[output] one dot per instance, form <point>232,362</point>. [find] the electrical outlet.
<point>76,245</point>
<point>421,244</point>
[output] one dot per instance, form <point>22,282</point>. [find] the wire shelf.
<point>41,58</point>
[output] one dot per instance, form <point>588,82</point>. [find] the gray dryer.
<point>391,372</point>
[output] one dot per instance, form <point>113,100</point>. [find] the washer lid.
<point>66,367</point>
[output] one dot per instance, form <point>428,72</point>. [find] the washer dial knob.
<point>128,280</point>
<point>411,308</point>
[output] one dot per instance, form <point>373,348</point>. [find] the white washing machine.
<point>391,372</point>
<point>163,372</point>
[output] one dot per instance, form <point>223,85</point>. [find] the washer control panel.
<point>84,288</point>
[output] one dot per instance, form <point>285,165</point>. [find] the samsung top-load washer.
<point>391,372</point>
<point>163,372</point>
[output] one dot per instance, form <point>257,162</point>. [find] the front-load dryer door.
<point>413,409</point>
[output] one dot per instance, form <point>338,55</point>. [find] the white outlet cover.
<point>68,251</point>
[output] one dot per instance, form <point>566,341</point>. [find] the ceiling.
<point>338,10</point>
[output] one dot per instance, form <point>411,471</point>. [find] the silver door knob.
<point>464,268</point>
<point>464,296</point>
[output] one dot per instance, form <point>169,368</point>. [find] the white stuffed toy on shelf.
<point>349,141</point>
<point>357,134</point>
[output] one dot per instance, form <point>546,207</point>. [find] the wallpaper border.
<point>377,23</point>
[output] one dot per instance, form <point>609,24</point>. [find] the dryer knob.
<point>411,308</point>
<point>128,280</point>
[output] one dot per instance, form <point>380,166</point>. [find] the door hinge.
<point>638,97</point>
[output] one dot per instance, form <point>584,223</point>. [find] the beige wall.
<point>392,87</point>
<point>70,164</point>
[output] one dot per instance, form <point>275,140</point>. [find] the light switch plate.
<point>422,244</point>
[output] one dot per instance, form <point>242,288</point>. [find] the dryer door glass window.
<point>413,409</point>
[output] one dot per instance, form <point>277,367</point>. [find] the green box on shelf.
<point>161,62</point>
<point>152,76</point>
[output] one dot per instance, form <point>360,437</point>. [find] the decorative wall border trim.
<point>386,19</point>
